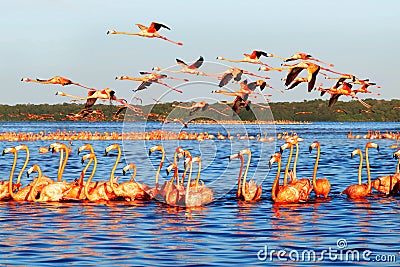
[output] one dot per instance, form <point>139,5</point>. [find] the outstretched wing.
<point>333,100</point>
<point>193,110</point>
<point>293,72</point>
<point>261,53</point>
<point>156,26</point>
<point>197,64</point>
<point>143,85</point>
<point>90,102</point>
<point>225,79</point>
<point>312,77</point>
<point>238,104</point>
<point>180,62</point>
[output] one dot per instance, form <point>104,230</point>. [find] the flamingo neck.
<point>24,166</point>
<point>59,176</point>
<point>238,193</point>
<point>275,186</point>
<point>188,182</point>
<point>134,174</point>
<point>316,167</point>
<point>80,181</point>
<point>295,162</point>
<point>245,172</point>
<point>64,164</point>
<point>160,166</point>
<point>287,166</point>
<point>198,175</point>
<point>32,197</point>
<point>368,170</point>
<point>90,179</point>
<point>360,169</point>
<point>115,165</point>
<point>10,184</point>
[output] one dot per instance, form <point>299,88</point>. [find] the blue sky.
<point>41,39</point>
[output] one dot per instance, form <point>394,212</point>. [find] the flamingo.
<point>131,190</point>
<point>7,188</point>
<point>189,69</point>
<point>236,75</point>
<point>285,193</point>
<point>248,191</point>
<point>304,56</point>
<point>77,189</point>
<point>389,184</point>
<point>151,77</point>
<point>321,186</point>
<point>156,190</point>
<point>149,32</point>
<point>104,94</point>
<point>360,190</point>
<point>197,106</point>
<point>253,58</point>
<point>29,193</point>
<point>304,184</point>
<point>195,195</point>
<point>55,80</point>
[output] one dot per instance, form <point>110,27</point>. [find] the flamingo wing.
<point>180,62</point>
<point>90,102</point>
<point>238,104</point>
<point>193,110</point>
<point>333,100</point>
<point>144,73</point>
<point>156,26</point>
<point>141,27</point>
<point>293,72</point>
<point>120,109</point>
<point>238,76</point>
<point>294,84</point>
<point>225,79</point>
<point>143,85</point>
<point>197,64</point>
<point>261,53</point>
<point>312,77</point>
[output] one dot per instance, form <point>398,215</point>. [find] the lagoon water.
<point>224,233</point>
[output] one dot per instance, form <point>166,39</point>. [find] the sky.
<point>45,38</point>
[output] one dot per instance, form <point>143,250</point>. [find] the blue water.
<point>223,233</point>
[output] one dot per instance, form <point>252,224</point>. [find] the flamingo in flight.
<point>236,75</point>
<point>151,77</point>
<point>312,70</point>
<point>345,90</point>
<point>104,94</point>
<point>304,56</point>
<point>55,80</point>
<point>149,32</point>
<point>189,69</point>
<point>253,58</point>
<point>197,106</point>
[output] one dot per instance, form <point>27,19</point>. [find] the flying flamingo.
<point>304,56</point>
<point>285,193</point>
<point>55,80</point>
<point>248,191</point>
<point>151,77</point>
<point>104,94</point>
<point>189,69</point>
<point>149,32</point>
<point>360,190</point>
<point>321,186</point>
<point>236,75</point>
<point>253,58</point>
<point>389,184</point>
<point>197,106</point>
<point>312,70</point>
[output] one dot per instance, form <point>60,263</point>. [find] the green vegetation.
<point>316,110</point>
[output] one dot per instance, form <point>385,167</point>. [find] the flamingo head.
<point>34,168</point>
<point>396,154</point>
<point>130,166</point>
<point>156,68</point>
<point>154,148</point>
<point>372,145</point>
<point>285,145</point>
<point>220,58</point>
<point>313,145</point>
<point>85,147</point>
<point>111,147</point>
<point>355,152</point>
<point>9,150</point>
<point>276,157</point>
<point>88,156</point>
<point>111,32</point>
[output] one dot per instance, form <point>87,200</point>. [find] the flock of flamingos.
<point>182,189</point>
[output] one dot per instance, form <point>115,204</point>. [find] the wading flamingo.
<point>55,80</point>
<point>303,185</point>
<point>321,186</point>
<point>7,187</point>
<point>156,189</point>
<point>389,184</point>
<point>248,191</point>
<point>282,194</point>
<point>131,190</point>
<point>360,190</point>
<point>149,32</point>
